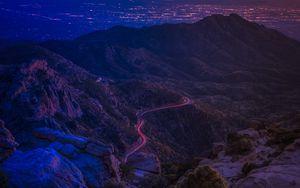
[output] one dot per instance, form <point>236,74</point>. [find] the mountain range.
<point>238,75</point>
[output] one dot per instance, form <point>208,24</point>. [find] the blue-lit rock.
<point>43,168</point>
<point>93,169</point>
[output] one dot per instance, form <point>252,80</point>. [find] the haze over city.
<point>68,19</point>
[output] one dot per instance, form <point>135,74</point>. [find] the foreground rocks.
<point>44,168</point>
<point>64,161</point>
<point>94,159</point>
<point>283,171</point>
<point>258,159</point>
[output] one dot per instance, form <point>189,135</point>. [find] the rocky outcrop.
<point>95,171</point>
<point>62,140</point>
<point>64,160</point>
<point>283,171</point>
<point>54,135</point>
<point>38,92</point>
<point>256,158</point>
<point>94,159</point>
<point>42,168</point>
<point>7,142</point>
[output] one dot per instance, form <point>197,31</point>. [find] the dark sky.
<point>63,19</point>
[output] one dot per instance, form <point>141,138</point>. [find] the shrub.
<point>127,171</point>
<point>237,144</point>
<point>283,137</point>
<point>202,177</point>
<point>172,171</point>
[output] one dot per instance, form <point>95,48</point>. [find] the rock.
<point>283,171</point>
<point>43,168</point>
<point>93,169</point>
<point>7,142</point>
<point>231,171</point>
<point>56,145</point>
<point>245,151</point>
<point>286,176</point>
<point>97,150</point>
<point>47,133</point>
<point>69,150</point>
<point>145,162</point>
<point>38,91</point>
<point>77,141</point>
<point>55,135</point>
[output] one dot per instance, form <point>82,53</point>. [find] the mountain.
<point>183,86</point>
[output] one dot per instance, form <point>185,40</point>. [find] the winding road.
<point>141,122</point>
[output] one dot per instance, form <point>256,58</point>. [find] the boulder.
<point>145,162</point>
<point>47,133</point>
<point>77,141</point>
<point>69,151</point>
<point>97,150</point>
<point>43,168</point>
<point>55,135</point>
<point>56,145</point>
<point>94,171</point>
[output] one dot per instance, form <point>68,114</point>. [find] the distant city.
<point>42,22</point>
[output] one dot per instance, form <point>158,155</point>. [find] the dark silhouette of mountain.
<point>222,44</point>
<point>238,74</point>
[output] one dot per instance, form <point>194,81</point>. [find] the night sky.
<point>66,19</point>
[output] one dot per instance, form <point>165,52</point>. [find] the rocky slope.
<point>258,158</point>
<point>238,74</point>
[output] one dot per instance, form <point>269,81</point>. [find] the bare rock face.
<point>54,135</point>
<point>259,158</point>
<point>94,170</point>
<point>242,148</point>
<point>282,172</point>
<point>201,177</point>
<point>38,92</point>
<point>42,167</point>
<point>92,158</point>
<point>97,150</point>
<point>7,142</point>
